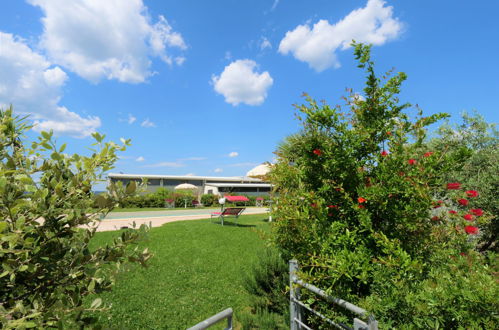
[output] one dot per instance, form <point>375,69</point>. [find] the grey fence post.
<point>294,309</point>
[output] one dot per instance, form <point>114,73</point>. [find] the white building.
<point>206,184</point>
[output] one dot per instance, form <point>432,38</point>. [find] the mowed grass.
<point>197,270</point>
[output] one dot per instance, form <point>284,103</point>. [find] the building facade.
<point>205,184</point>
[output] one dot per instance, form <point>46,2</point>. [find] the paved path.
<point>116,220</point>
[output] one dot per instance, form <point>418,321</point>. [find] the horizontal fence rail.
<point>296,306</point>
<point>225,314</point>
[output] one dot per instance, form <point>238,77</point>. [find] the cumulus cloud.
<point>112,39</point>
<point>319,44</point>
<point>234,154</point>
<point>218,170</point>
<point>33,86</point>
<point>147,123</point>
<point>241,83</point>
<point>140,159</point>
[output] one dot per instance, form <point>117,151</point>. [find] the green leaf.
<point>131,187</point>
<point>96,303</point>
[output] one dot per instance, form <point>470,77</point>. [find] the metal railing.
<point>296,306</point>
<point>226,314</point>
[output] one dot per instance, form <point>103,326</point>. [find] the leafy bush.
<point>267,283</point>
<point>47,221</point>
<point>479,141</point>
<point>363,204</point>
<point>209,199</point>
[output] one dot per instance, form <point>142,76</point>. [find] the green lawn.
<point>197,271</point>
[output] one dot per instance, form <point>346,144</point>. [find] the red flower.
<point>462,254</point>
<point>361,206</point>
<point>468,217</point>
<point>313,205</point>
<point>412,161</point>
<point>438,204</point>
<point>453,185</point>
<point>384,153</point>
<point>361,200</point>
<point>435,218</point>
<point>472,193</point>
<point>463,201</point>
<point>452,212</point>
<point>477,212</point>
<point>471,230</point>
<point>428,154</point>
<point>389,133</point>
<point>332,206</point>
<point>318,152</point>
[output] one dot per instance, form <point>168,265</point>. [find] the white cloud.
<point>147,123</point>
<point>234,154</point>
<point>218,170</point>
<point>240,83</point>
<point>265,43</point>
<point>131,119</point>
<point>190,174</point>
<point>140,159</point>
<point>166,164</point>
<point>317,46</point>
<point>112,39</point>
<point>33,86</point>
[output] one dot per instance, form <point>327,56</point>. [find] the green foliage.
<point>209,199</point>
<point>478,141</point>
<point>355,205</point>
<point>267,284</point>
<point>47,221</point>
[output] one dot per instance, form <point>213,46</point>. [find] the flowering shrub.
<point>387,234</point>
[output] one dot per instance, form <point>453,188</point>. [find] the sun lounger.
<point>228,212</point>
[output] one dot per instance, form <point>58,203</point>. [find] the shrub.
<point>209,199</point>
<point>266,283</point>
<point>359,206</point>
<point>47,221</point>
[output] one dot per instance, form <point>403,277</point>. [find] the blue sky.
<point>207,87</point>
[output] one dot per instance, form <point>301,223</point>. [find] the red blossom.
<point>453,185</point>
<point>411,161</point>
<point>452,212</point>
<point>468,217</point>
<point>384,153</point>
<point>471,230</point>
<point>438,204</point>
<point>435,218</point>
<point>462,254</point>
<point>472,193</point>
<point>428,154</point>
<point>389,133</point>
<point>361,199</point>
<point>463,201</point>
<point>313,205</point>
<point>318,152</point>
<point>477,212</point>
<point>361,206</point>
<point>332,206</point>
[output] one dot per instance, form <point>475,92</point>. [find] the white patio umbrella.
<point>187,187</point>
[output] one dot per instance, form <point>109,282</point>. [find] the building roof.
<point>183,177</point>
